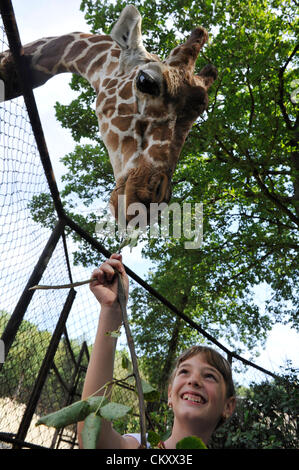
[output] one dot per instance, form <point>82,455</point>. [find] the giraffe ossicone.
<point>145,106</point>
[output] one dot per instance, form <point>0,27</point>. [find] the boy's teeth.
<point>192,398</point>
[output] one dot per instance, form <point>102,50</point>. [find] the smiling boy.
<point>201,394</point>
<point>201,391</point>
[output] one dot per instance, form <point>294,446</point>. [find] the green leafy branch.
<point>92,411</point>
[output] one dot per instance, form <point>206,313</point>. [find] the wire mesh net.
<point>21,244</point>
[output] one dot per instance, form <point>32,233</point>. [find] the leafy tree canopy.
<point>240,161</point>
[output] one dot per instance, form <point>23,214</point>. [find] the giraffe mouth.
<point>135,193</point>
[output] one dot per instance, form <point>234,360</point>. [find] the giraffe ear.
<point>127,31</point>
<point>208,74</point>
<point>187,53</point>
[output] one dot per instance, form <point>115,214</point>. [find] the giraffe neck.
<point>91,56</point>
<point>88,55</point>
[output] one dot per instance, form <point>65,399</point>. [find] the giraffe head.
<point>146,109</point>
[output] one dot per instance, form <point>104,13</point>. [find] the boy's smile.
<point>194,398</point>
<point>198,395</point>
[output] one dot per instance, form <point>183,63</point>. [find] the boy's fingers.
<point>106,271</point>
<point>117,256</point>
<point>116,264</point>
<point>98,275</point>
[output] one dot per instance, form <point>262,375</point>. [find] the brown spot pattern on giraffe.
<point>90,55</point>
<point>123,123</point>
<point>109,106</point>
<point>158,152</point>
<point>115,53</point>
<point>75,50</point>
<point>28,50</point>
<point>125,109</point>
<point>112,91</point>
<point>111,67</point>
<point>162,133</point>
<point>97,64</point>
<point>113,140</point>
<point>100,98</point>
<point>110,84</point>
<point>96,38</point>
<point>128,148</point>
<point>52,49</point>
<point>126,92</point>
<point>104,128</point>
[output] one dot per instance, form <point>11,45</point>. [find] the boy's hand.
<point>106,287</point>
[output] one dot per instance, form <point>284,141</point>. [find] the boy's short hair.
<point>214,359</point>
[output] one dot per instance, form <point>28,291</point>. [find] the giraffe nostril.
<point>161,190</point>
<point>148,187</point>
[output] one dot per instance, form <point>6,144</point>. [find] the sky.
<point>38,18</point>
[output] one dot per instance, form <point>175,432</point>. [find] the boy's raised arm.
<point>100,367</point>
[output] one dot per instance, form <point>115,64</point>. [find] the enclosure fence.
<point>47,335</point>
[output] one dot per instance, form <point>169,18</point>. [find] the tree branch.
<point>256,174</point>
<point>273,197</point>
<point>252,100</point>
<point>122,302</point>
<point>281,89</point>
<point>227,151</point>
<point>142,417</point>
<point>227,282</point>
<point>263,219</point>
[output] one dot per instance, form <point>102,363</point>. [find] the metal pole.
<point>98,246</point>
<point>72,391</point>
<point>45,367</point>
<point>17,316</point>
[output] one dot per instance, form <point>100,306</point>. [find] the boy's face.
<point>198,394</point>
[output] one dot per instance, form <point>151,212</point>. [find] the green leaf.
<point>149,393</point>
<point>114,411</point>
<point>68,415</point>
<point>131,240</point>
<point>91,431</point>
<point>153,438</point>
<point>191,442</point>
<point>125,363</point>
<point>124,243</point>
<point>96,402</point>
<point>114,334</point>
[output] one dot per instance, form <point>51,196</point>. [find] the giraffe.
<point>145,106</point>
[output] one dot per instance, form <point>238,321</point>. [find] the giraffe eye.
<point>147,84</point>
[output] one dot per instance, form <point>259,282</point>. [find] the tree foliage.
<point>23,363</point>
<point>266,417</point>
<point>24,360</point>
<point>240,160</point>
